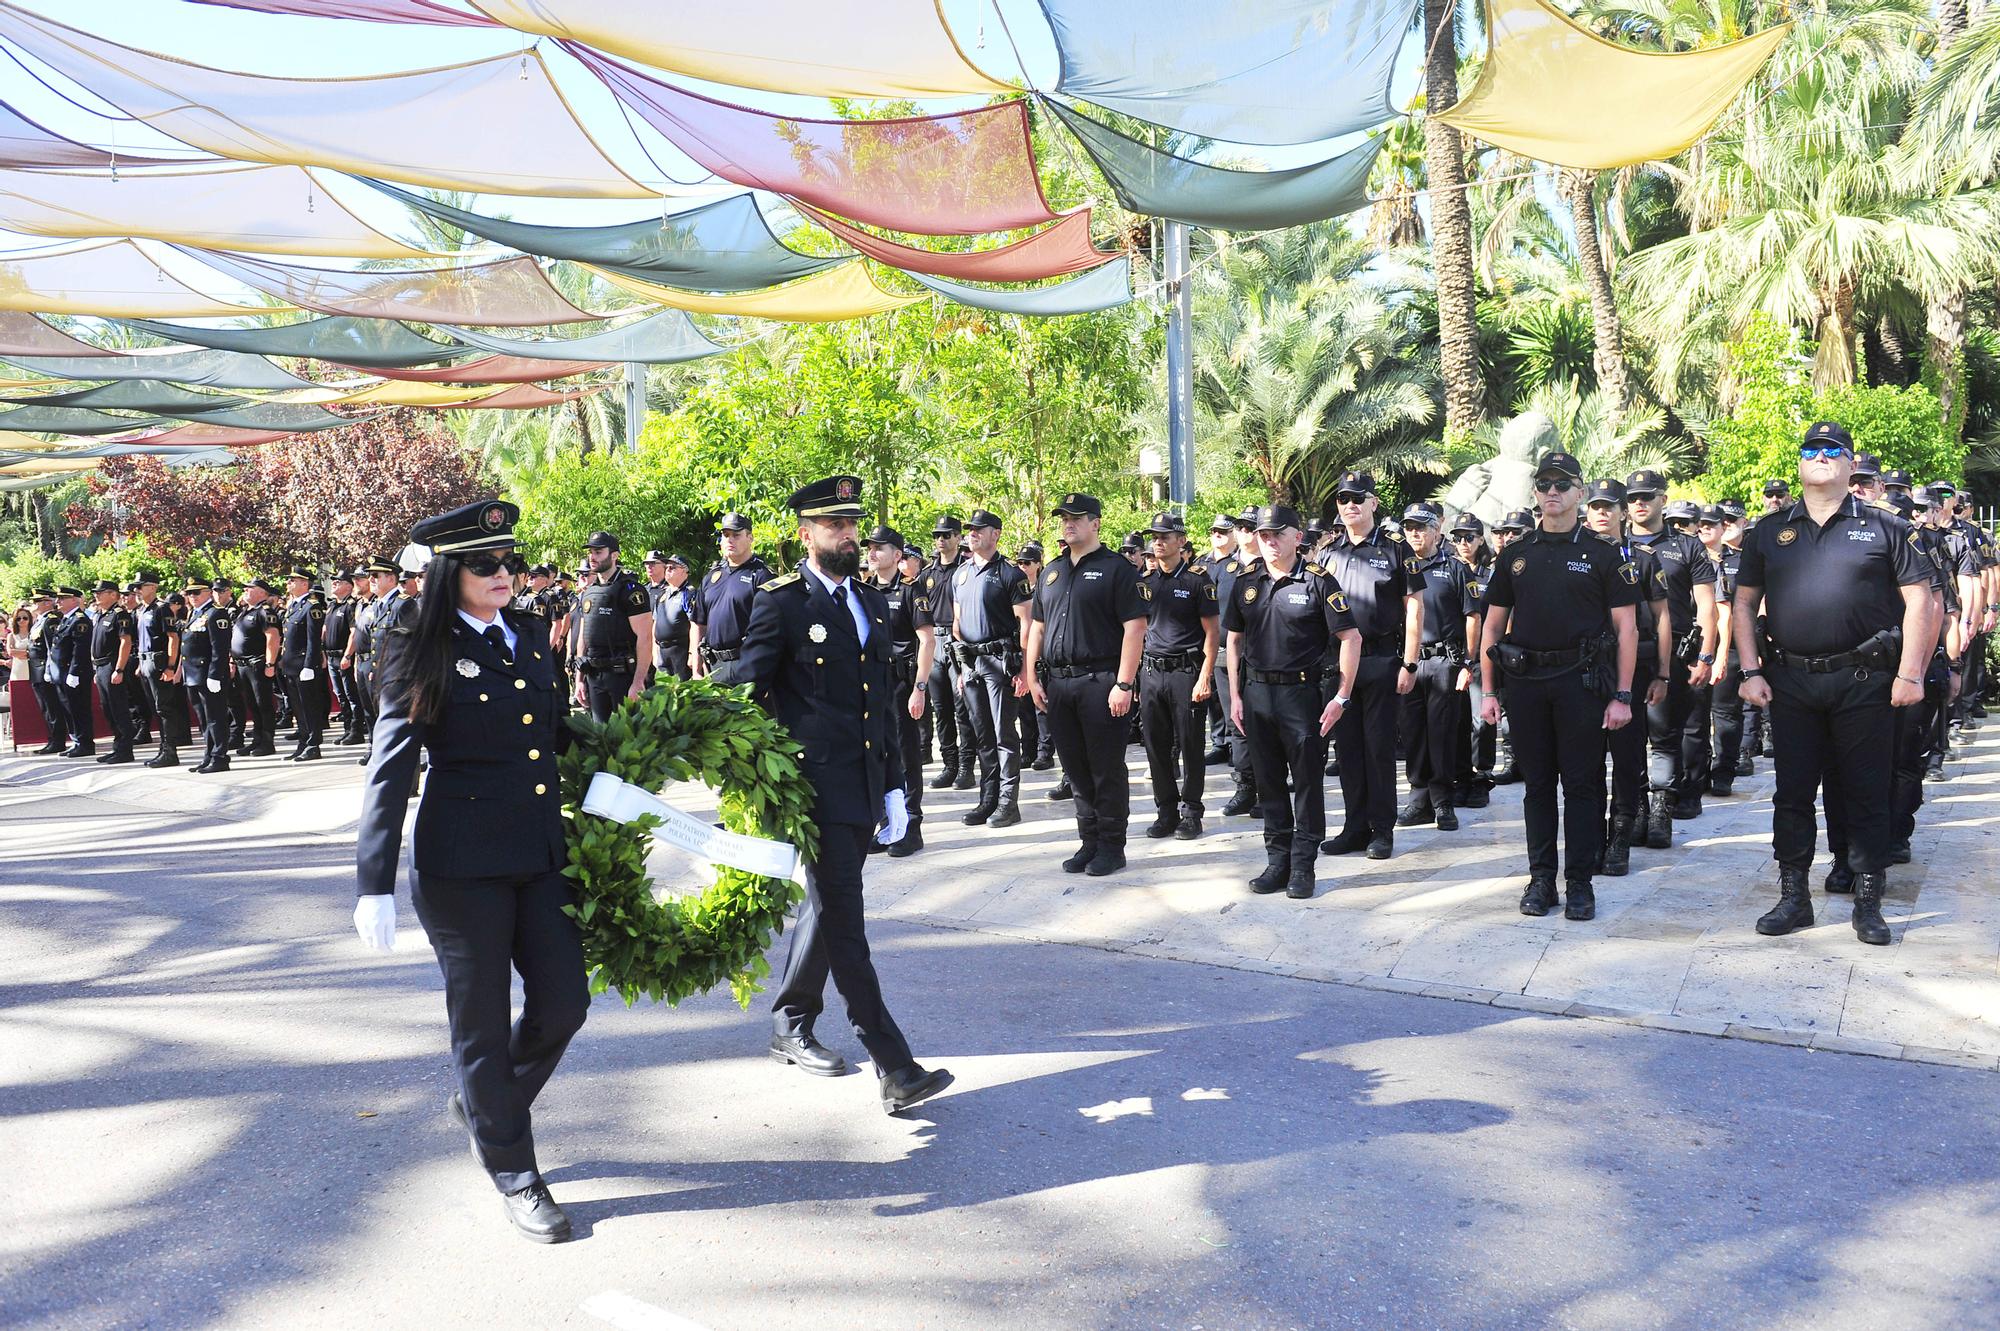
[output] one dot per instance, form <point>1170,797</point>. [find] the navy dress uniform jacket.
<point>491,807</point>
<point>205,646</point>
<point>835,696</point>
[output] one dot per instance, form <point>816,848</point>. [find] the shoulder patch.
<point>1316,569</point>
<point>1410,564</point>
<point>774,584</point>
<point>1145,591</point>
<point>1338,600</point>
<point>715,574</point>
<point>1630,572</point>
<point>1233,567</point>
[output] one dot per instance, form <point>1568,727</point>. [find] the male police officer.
<point>1177,676</point>
<point>1690,579</point>
<point>48,691</point>
<point>205,674</point>
<point>1038,746</point>
<point>720,611</point>
<point>1558,601</point>
<point>112,637</point>
<point>1435,715</point>
<point>158,661</point>
<point>1604,514</point>
<point>253,647</point>
<point>1089,630</point>
<point>819,654</point>
<point>1225,562</point>
<point>302,661</point>
<point>989,602</point>
<point>669,594</point>
<point>338,639</point>
<point>914,639</point>
<point>615,618</point>
<point>1840,582</point>
<point>949,716</point>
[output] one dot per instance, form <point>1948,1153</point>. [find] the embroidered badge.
<point>1518,565</point>
<point>1249,593</point>
<point>1054,573</point>
<point>817,633</point>
<point>467,668</point>
<point>1788,535</point>
<point>1630,572</point>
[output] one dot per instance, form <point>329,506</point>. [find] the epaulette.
<point>1884,505</point>
<point>1315,568</point>
<point>784,580</point>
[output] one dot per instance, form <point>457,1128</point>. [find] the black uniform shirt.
<point>340,614</point>
<point>1652,585</point>
<point>1982,544</point>
<point>1374,578</point>
<point>40,638</point>
<point>935,580</point>
<point>1828,589</point>
<point>670,612</point>
<point>305,623</point>
<point>535,605</point>
<point>722,606</point>
<point>1181,600</point>
<point>999,587</point>
<point>1448,597</point>
<point>246,630</point>
<point>106,630</point>
<point>1685,562</point>
<point>1083,606</point>
<point>1562,588</point>
<point>152,623</point>
<point>905,605</point>
<point>1287,623</point>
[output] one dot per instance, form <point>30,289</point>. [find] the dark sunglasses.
<point>1809,452</point>
<point>1561,485</point>
<point>485,564</point>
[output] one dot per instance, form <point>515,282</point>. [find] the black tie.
<point>498,638</point>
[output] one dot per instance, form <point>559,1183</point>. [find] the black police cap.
<point>68,591</point>
<point>1167,524</point>
<point>1222,522</point>
<point>1828,432</point>
<point>192,585</point>
<point>378,564</point>
<point>1905,505</point>
<point>600,540</point>
<point>1867,464</point>
<point>222,585</point>
<point>1712,514</point>
<point>1645,481</point>
<point>1075,505</point>
<point>1354,483</point>
<point>674,561</point>
<point>1944,489</point>
<point>42,594</point>
<point>343,575</point>
<point>1519,520</point>
<point>1683,510</point>
<point>947,525</point>
<point>1468,524</point>
<point>1276,517</point>
<point>1421,515</point>
<point>1733,508</point>
<point>485,525</point>
<point>265,585</point>
<point>105,585</point>
<point>145,577</point>
<point>828,497</point>
<point>980,517</point>
<point>1897,476</point>
<point>1247,519</point>
<point>1776,488</point>
<point>886,535</point>
<point>1561,464</point>
<point>302,573</point>
<point>654,557</point>
<point>1132,544</point>
<point>730,522</point>
<point>1605,491</point>
<point>1030,554</point>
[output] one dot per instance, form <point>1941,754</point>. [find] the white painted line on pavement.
<point>630,1314</point>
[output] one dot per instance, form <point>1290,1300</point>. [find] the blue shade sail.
<point>363,342</point>
<point>205,369</point>
<point>1101,289</point>
<point>657,339</point>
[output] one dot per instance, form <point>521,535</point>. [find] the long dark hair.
<point>420,654</point>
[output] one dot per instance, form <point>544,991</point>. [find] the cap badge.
<point>492,517</point>
<point>817,633</point>
<point>844,489</point>
<point>467,668</point>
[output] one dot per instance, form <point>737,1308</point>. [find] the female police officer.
<point>477,687</point>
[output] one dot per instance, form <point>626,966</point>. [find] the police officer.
<point>1778,493</point>
<point>1725,710</point>
<point>670,613</point>
<point>1604,514</point>
<point>158,658</point>
<point>1436,718</point>
<point>1919,729</point>
<point>721,609</point>
<point>1558,601</point>
<point>112,643</point>
<point>1372,570</point>
<point>1283,614</point>
<point>989,602</point>
<point>1468,545</point>
<point>1038,745</point>
<point>337,640</point>
<point>562,608</point>
<point>949,717</point>
<point>302,663</point>
<point>1690,578</point>
<point>614,618</point>
<point>137,699</point>
<point>1846,596</point>
<point>371,625</point>
<point>819,654</point>
<point>205,674</point>
<point>70,671</point>
<point>47,687</point>
<point>253,649</point>
<point>915,641</point>
<point>1176,678</point>
<point>1221,549</point>
<point>1089,630</point>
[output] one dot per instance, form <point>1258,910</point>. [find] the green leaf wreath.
<point>682,730</point>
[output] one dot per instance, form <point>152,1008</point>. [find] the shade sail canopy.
<point>496,370</point>
<point>955,174</point>
<point>66,420</point>
<point>388,394</point>
<point>220,436</point>
<point>263,209</point>
<point>1252,71</point>
<point>205,369</point>
<point>291,417</point>
<point>1159,184</point>
<point>366,342</point>
<point>25,143</point>
<point>1050,252</point>
<point>151,396</point>
<point>1107,288</point>
<point>373,11</point>
<point>722,246</point>
<point>512,293</point>
<point>826,48</point>
<point>525,397</point>
<point>658,339</point>
<point>844,293</point>
<point>25,335</point>
<point>112,278</point>
<point>497,125</point>
<point>110,448</point>
<point>1559,93</point>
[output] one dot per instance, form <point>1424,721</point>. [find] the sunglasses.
<point>1561,485</point>
<point>1808,453</point>
<point>485,565</point>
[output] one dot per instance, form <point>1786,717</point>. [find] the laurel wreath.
<point>673,947</point>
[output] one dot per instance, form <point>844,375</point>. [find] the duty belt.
<point>1187,660</point>
<point>714,654</point>
<point>103,660</point>
<point>1821,665</point>
<point>1082,671</point>
<point>991,647</point>
<point>1437,649</point>
<point>1382,644</point>
<point>608,662</point>
<point>1294,677</point>
<point>1560,657</point>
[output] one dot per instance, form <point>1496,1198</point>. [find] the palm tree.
<point>1451,227</point>
<point>1397,181</point>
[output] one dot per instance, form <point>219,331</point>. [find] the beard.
<point>843,561</point>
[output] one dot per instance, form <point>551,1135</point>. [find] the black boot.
<point>1475,795</point>
<point>1163,826</point>
<point>967,778</point>
<point>1060,790</point>
<point>1686,805</point>
<point>946,774</point>
<point>166,757</point>
<point>1794,909</point>
<point>1300,884</point>
<point>1869,926</point>
<point>1580,901</point>
<point>1417,812</point>
<point>1006,815</point>
<point>1244,800</point>
<point>1899,851</point>
<point>1840,878</point>
<point>1618,847</point>
<point>1540,898</point>
<point>1659,820</point>
<point>1446,820</point>
<point>981,811</point>
<point>1276,874</point>
<point>1721,784</point>
<point>912,841</point>
<point>1080,861</point>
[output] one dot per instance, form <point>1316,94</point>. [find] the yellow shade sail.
<point>846,292</point>
<point>115,279</point>
<point>391,394</point>
<point>1558,93</point>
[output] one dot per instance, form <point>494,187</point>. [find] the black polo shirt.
<point>1446,585</point>
<point>1652,585</point>
<point>1181,600</point>
<point>1287,623</point>
<point>934,585</point>
<point>1562,588</point>
<point>1083,606</point>
<point>1373,576</point>
<point>1946,559</point>
<point>1982,544</point>
<point>722,606</point>
<point>996,589</point>
<point>905,607</point>
<point>1685,563</point>
<point>105,631</point>
<point>1829,588</point>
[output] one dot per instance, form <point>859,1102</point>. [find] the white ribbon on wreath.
<point>622,802</point>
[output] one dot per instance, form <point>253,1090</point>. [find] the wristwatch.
<point>1754,672</point>
<point>1624,696</point>
<point>1410,666</point>
<point>1341,702</point>
<point>1706,658</point>
<point>1128,687</point>
<point>922,686</point>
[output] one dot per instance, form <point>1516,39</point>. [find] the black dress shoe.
<point>263,750</point>
<point>1189,827</point>
<point>1347,843</point>
<point>1540,898</point>
<point>1381,846</point>
<point>1416,813</point>
<point>911,842</point>
<point>1061,791</point>
<point>1163,826</point>
<point>1109,859</point>
<point>1476,796</point>
<point>1080,861</point>
<point>910,1086</point>
<point>1242,802</point>
<point>1276,874</point>
<point>1899,852</point>
<point>943,780</point>
<point>1215,756</point>
<point>204,767</point>
<point>807,1054</point>
<point>51,747</point>
<point>1005,816</point>
<point>454,1105</point>
<point>536,1214</point>
<point>1447,821</point>
<point>1300,884</point>
<point>116,757</point>
<point>310,754</point>
<point>1580,902</point>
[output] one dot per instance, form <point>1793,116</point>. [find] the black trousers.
<point>675,654</point>
<point>117,699</point>
<point>1035,737</point>
<point>1697,752</point>
<point>1232,740</point>
<point>139,699</point>
<point>604,687</point>
<point>1090,742</point>
<point>1726,705</point>
<point>212,713</point>
<point>1434,712</point>
<point>1557,728</point>
<point>256,705</point>
<point>1628,745</point>
<point>1913,758</point>
<point>1364,740</point>
<point>1288,755</point>
<point>832,938</point>
<point>169,704</point>
<point>76,704</point>
<point>49,700</point>
<point>1839,730</point>
<point>347,689</point>
<point>483,930</point>
<point>310,704</point>
<point>990,706</point>
<point>1171,725</point>
<point>1665,727</point>
<point>910,735</point>
<point>945,703</point>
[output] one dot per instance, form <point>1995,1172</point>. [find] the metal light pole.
<point>635,403</point>
<point>1180,372</point>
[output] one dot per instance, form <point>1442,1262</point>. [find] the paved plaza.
<point>1178,1105</point>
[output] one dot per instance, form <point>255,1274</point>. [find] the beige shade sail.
<point>1558,93</point>
<point>262,209</point>
<point>112,278</point>
<point>525,397</point>
<point>390,394</point>
<point>489,370</point>
<point>25,335</point>
<point>1062,247</point>
<point>496,126</point>
<point>510,294</point>
<point>847,292</point>
<point>824,48</point>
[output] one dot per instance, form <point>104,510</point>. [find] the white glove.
<point>375,921</point>
<point>71,680</point>
<point>306,673</point>
<point>215,686</point>
<point>895,818</point>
